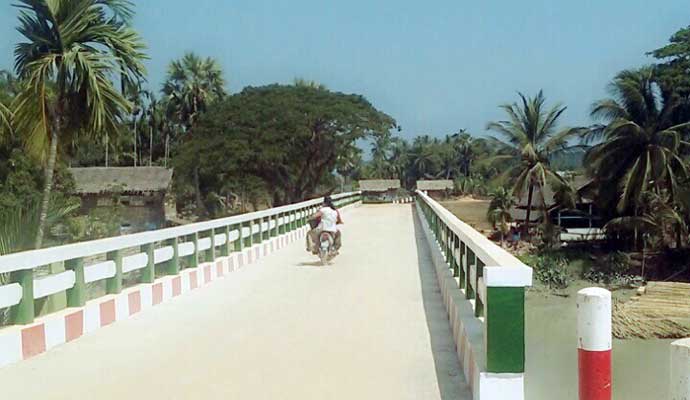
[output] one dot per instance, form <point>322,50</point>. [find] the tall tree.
<point>192,85</point>
<point>641,143</point>
<point>531,136</point>
<point>290,137</point>
<point>71,50</point>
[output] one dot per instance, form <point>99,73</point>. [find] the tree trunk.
<point>197,193</point>
<point>47,187</point>
<point>529,209</point>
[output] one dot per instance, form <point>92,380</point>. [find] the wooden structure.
<point>139,192</point>
<point>379,190</point>
<point>437,189</point>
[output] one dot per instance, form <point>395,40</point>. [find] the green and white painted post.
<point>76,296</point>
<point>23,312</point>
<point>225,248</point>
<point>478,303</point>
<point>210,255</point>
<point>471,261</point>
<point>114,285</point>
<point>194,257</point>
<point>504,325</point>
<point>149,273</point>
<point>463,266</point>
<point>239,243</point>
<point>173,265</point>
<point>275,231</point>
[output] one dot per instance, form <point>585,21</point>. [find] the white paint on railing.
<point>185,249</point>
<point>97,272</point>
<point>134,262</point>
<point>281,220</point>
<point>255,228</point>
<point>246,232</point>
<point>292,217</point>
<point>10,295</point>
<point>491,254</point>
<point>33,258</point>
<point>272,224</point>
<point>53,284</point>
<point>163,254</point>
<point>204,243</point>
<point>219,239</point>
<point>234,235</point>
<point>264,226</point>
<point>481,290</point>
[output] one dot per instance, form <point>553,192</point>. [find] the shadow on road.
<point>451,381</point>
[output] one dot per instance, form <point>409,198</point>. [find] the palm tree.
<point>498,214</point>
<point>641,142</point>
<point>191,86</point>
<point>532,137</point>
<point>71,50</point>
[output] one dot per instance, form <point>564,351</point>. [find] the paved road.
<point>371,326</point>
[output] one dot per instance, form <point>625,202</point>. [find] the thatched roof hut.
<point>97,180</point>
<point>434,185</point>
<point>379,185</point>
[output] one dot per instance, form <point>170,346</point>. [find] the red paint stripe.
<point>74,325</point>
<point>134,300</point>
<point>107,309</point>
<point>176,286</point>
<point>33,341</point>
<point>157,293</point>
<point>595,374</point>
<point>219,269</point>
<point>193,282</point>
<point>207,274</point>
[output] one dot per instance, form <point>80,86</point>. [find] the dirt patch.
<point>471,211</point>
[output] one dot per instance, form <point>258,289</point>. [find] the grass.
<point>471,211</point>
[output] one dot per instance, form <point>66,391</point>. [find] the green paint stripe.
<point>505,329</point>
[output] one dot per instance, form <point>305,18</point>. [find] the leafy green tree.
<point>71,50</point>
<point>290,137</point>
<point>531,137</point>
<point>675,68</point>
<point>641,144</point>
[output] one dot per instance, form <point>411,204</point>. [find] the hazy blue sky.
<point>436,66</point>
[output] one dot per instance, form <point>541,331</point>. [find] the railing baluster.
<point>149,273</point>
<point>114,285</point>
<point>173,265</point>
<point>76,296</point>
<point>23,313</point>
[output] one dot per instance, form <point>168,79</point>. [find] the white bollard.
<point>680,370</point>
<point>594,343</point>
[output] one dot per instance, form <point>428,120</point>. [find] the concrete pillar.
<point>594,343</point>
<point>680,370</point>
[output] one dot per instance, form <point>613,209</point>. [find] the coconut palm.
<point>531,137</point>
<point>71,50</point>
<point>641,144</point>
<point>498,214</point>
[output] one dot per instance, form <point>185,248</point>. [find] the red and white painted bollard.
<point>680,370</point>
<point>594,343</point>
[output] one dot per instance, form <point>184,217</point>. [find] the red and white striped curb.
<point>22,342</point>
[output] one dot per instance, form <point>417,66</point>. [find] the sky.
<point>435,66</point>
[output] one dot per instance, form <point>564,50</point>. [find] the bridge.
<point>417,306</point>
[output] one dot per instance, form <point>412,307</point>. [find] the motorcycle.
<point>326,247</point>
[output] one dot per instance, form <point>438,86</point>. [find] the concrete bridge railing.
<point>155,255</point>
<point>483,287</point>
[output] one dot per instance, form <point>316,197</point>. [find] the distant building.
<point>139,191</point>
<point>581,221</point>
<point>379,190</point>
<point>436,188</point>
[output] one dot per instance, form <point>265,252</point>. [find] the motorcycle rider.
<point>328,219</point>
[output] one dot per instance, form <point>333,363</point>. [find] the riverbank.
<point>640,367</point>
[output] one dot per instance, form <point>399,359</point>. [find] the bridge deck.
<point>371,326</point>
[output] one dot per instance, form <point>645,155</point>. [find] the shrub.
<point>551,271</point>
